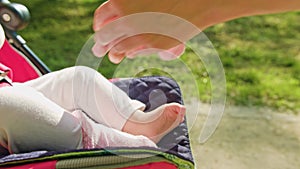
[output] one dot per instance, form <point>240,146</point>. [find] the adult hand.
<point>130,28</point>
<point>124,28</point>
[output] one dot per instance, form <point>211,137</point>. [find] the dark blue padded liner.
<point>160,90</point>
<point>153,91</point>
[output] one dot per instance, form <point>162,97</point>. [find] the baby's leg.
<point>157,123</point>
<point>96,135</point>
<point>31,122</point>
<point>85,89</point>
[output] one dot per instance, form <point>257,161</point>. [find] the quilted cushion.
<point>155,91</point>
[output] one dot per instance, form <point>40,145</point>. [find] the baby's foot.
<point>157,123</point>
<point>95,135</point>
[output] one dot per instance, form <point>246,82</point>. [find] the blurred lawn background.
<point>261,54</point>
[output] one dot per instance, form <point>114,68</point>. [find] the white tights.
<point>48,113</point>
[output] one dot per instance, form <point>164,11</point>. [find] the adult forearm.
<point>218,11</point>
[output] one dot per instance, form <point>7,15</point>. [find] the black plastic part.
<point>14,16</point>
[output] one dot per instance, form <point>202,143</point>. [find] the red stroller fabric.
<point>22,69</point>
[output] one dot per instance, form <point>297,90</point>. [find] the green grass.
<point>261,54</point>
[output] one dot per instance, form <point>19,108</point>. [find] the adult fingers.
<point>104,14</point>
<point>100,48</point>
<point>147,44</point>
<point>172,53</point>
<point>116,57</point>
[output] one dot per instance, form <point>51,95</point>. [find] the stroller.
<point>173,150</point>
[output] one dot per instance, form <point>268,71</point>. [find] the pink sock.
<point>95,135</point>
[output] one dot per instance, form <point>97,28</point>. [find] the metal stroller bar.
<point>14,17</point>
